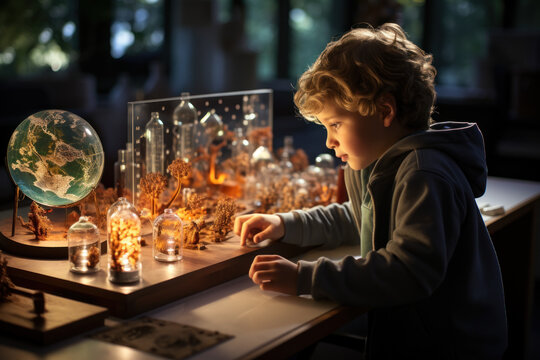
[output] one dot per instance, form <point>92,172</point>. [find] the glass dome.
<point>84,247</point>
<point>168,237</point>
<point>124,240</point>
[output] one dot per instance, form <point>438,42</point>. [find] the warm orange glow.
<point>232,189</point>
<point>212,174</point>
<point>214,149</point>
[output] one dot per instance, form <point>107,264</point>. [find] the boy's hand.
<point>258,227</point>
<point>275,273</point>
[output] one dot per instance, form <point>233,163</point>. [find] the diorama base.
<point>160,284</point>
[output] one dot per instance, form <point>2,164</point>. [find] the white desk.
<point>260,322</point>
<point>270,325</point>
<point>514,236</point>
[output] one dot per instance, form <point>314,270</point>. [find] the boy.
<point>428,270</point>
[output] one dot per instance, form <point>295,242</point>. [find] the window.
<point>262,30</point>
<point>459,38</point>
<point>412,19</point>
<point>137,27</point>
<point>40,38</point>
<point>313,25</point>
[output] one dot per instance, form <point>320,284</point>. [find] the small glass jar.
<point>124,237</point>
<point>168,237</point>
<point>121,202</point>
<point>84,248</point>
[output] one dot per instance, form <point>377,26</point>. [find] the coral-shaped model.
<point>92,206</point>
<point>299,160</point>
<point>195,208</point>
<point>287,200</point>
<point>124,247</point>
<point>181,171</point>
<point>223,220</point>
<point>38,222</point>
<point>239,165</point>
<point>5,282</point>
<point>268,198</point>
<point>259,136</point>
<point>152,185</point>
<point>301,200</point>
<point>327,194</point>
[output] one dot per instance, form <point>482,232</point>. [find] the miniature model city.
<point>190,166</point>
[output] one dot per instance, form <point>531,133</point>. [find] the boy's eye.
<point>335,125</point>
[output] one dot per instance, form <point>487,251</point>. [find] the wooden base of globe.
<point>23,242</point>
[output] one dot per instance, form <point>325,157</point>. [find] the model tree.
<point>152,185</point>
<point>181,171</point>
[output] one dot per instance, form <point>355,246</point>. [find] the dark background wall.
<point>201,52</point>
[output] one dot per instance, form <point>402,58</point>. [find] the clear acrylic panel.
<point>249,110</point>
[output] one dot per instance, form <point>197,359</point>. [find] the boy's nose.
<point>330,143</point>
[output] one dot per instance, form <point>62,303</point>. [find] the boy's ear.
<point>387,107</point>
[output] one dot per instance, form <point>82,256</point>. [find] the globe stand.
<point>26,245</point>
<point>15,208</point>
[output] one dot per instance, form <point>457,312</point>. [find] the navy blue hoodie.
<point>432,281</point>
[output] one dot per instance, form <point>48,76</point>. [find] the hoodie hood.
<point>463,142</point>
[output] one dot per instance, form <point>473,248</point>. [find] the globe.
<point>55,157</point>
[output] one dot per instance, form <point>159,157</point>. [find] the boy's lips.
<point>343,157</point>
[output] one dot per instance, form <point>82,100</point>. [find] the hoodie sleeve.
<point>331,226</point>
<point>413,262</point>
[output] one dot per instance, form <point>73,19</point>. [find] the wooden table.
<point>514,235</point>
<point>271,325</point>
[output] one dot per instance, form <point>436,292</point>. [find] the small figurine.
<point>38,222</point>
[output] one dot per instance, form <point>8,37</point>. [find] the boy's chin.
<point>354,165</point>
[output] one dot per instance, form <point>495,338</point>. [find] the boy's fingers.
<point>251,226</point>
<point>257,266</point>
<point>261,277</point>
<point>238,222</point>
<point>271,257</point>
<point>262,263</point>
<point>262,235</point>
<point>245,232</point>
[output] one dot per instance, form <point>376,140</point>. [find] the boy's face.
<point>356,139</point>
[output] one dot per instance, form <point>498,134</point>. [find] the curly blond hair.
<point>364,64</point>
